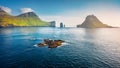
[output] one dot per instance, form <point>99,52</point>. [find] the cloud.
<point>6,9</point>
<point>25,10</point>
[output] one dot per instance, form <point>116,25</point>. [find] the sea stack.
<point>61,25</point>
<point>64,25</point>
<point>92,21</point>
<point>52,24</point>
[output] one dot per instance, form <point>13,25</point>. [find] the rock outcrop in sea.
<point>61,25</point>
<point>51,43</point>
<point>52,24</point>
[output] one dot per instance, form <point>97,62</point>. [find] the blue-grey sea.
<point>83,48</point>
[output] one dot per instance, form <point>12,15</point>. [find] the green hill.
<point>92,21</point>
<point>26,19</point>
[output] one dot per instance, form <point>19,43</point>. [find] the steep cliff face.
<point>26,19</point>
<point>92,21</point>
<point>52,24</point>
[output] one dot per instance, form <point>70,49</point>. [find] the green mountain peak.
<point>25,19</point>
<point>92,21</point>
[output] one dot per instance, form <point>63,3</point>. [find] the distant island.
<point>31,19</point>
<point>92,21</point>
<point>25,19</point>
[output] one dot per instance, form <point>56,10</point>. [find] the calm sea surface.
<point>84,48</point>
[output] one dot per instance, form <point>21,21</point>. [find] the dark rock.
<point>51,43</point>
<point>52,24</point>
<point>61,25</point>
<point>41,44</point>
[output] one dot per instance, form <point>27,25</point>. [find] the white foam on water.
<point>35,45</point>
<point>65,43</point>
<point>58,46</point>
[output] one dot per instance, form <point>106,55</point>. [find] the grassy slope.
<point>6,20</point>
<point>92,21</point>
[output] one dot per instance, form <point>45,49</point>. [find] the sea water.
<point>83,48</point>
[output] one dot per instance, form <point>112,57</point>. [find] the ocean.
<point>83,48</point>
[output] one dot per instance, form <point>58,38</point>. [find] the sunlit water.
<point>84,48</point>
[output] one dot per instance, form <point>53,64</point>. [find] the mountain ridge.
<point>25,19</point>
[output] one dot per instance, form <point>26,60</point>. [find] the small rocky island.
<point>51,43</point>
<point>92,21</point>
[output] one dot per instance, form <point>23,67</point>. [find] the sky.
<point>70,12</point>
